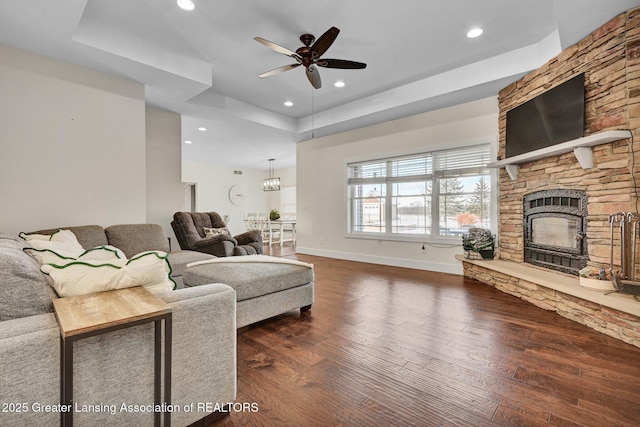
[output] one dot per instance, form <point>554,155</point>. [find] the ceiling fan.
<point>309,56</point>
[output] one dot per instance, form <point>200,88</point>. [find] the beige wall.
<point>75,148</point>
<point>163,160</point>
<point>212,191</point>
<point>321,182</point>
<point>214,181</point>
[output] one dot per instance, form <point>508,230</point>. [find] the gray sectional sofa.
<point>213,299</point>
<point>265,287</point>
<point>114,369</point>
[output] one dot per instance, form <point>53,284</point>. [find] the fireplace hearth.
<point>555,229</point>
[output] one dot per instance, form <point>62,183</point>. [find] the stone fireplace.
<point>555,225</point>
<point>610,59</point>
<point>553,210</point>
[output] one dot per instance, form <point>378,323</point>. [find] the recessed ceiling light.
<point>475,32</point>
<point>339,83</point>
<point>186,4</point>
<point>202,129</point>
<point>288,104</point>
<point>187,142</point>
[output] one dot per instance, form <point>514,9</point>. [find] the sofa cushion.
<point>135,238</point>
<point>260,275</point>
<point>24,290</point>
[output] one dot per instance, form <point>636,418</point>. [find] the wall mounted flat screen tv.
<point>550,118</point>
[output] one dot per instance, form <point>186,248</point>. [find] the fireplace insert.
<point>555,224</point>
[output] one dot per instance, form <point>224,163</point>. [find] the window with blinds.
<point>440,193</point>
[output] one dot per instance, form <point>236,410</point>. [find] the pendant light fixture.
<point>272,183</point>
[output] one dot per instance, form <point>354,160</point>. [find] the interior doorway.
<point>189,201</point>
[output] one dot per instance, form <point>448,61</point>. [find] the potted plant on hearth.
<point>478,243</point>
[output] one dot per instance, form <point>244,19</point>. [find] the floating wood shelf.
<point>581,148</point>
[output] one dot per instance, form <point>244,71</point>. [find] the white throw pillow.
<point>75,271</point>
<point>97,254</point>
<point>104,253</point>
<point>149,269</point>
<point>46,256</point>
<point>63,242</point>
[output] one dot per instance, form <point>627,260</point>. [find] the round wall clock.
<point>236,195</point>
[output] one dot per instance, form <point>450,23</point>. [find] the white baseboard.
<point>454,268</point>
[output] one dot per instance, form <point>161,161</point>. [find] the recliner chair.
<point>189,229</point>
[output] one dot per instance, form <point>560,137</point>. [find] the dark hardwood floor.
<point>386,346</point>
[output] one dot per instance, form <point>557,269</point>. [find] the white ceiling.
<point>204,63</point>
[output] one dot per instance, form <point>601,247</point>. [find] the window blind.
<point>454,162</point>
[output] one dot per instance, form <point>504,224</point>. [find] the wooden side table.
<point>94,314</point>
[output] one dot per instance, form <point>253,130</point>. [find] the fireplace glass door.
<point>554,231</point>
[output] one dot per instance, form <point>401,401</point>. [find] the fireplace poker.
<point>613,219</point>
<point>633,220</point>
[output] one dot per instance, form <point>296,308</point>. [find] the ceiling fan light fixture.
<point>202,129</point>
<point>309,56</point>
<point>186,4</point>
<point>475,32</point>
<point>187,142</point>
<point>339,83</point>
<point>288,104</point>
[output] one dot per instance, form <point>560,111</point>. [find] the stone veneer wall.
<point>610,59</point>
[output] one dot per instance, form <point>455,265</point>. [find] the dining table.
<point>282,225</point>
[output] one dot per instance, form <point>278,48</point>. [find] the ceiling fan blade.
<point>340,63</point>
<point>279,70</point>
<point>276,47</point>
<point>324,41</point>
<point>314,77</point>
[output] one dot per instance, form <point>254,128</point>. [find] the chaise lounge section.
<point>265,286</point>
